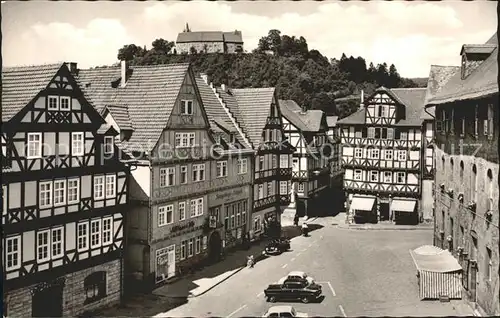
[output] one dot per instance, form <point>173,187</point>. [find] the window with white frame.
<point>83,236</point>
<point>73,190</point>
<point>77,144</point>
<point>375,153</point>
<point>242,166</point>
<point>199,206</point>
<point>183,249</point>
<point>110,186</point>
<point>186,107</point>
<point>57,243</point>
<point>403,135</point>
<point>107,231</point>
<point>357,175</point>
<point>98,187</point>
<point>34,145</point>
<point>257,225</point>
<point>238,214</point>
<point>401,176</point>
<point>43,245</point>
<point>390,133</point>
<point>283,187</point>
<point>300,187</point>
<point>388,154</point>
<point>402,155</point>
<point>59,192</point>
<point>221,170</point>
<point>95,233</point>
<point>295,163</point>
<point>65,103</point>
<point>182,211</point>
<point>45,190</point>
<point>165,215</point>
<point>199,172</point>
<point>387,177</point>
<point>233,221</point>
<point>374,176</point>
<point>198,245</point>
<point>53,103</point>
<point>261,191</point>
<point>167,177</point>
<point>12,252</point>
<point>274,161</point>
<point>261,163</point>
<point>192,208</point>
<point>358,152</point>
<point>108,145</point>
<point>190,247</point>
<point>184,139</point>
<point>283,161</point>
<point>371,132</point>
<point>184,172</point>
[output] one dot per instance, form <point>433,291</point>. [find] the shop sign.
<point>181,227</point>
<point>229,194</point>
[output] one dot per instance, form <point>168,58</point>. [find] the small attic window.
<point>232,138</point>
<point>87,85</point>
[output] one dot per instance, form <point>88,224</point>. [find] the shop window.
<point>95,286</point>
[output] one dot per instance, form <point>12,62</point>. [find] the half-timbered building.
<point>465,105</point>
<point>256,112</point>
<point>315,152</point>
<point>159,113</point>
<point>381,156</point>
<point>64,188</point>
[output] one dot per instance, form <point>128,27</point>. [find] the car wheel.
<point>305,300</point>
<point>271,299</point>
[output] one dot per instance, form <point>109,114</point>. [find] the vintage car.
<point>283,311</point>
<point>296,276</point>
<point>293,291</point>
<point>277,246</point>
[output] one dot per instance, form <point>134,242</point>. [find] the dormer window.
<point>65,103</point>
<point>108,145</point>
<point>53,103</point>
<point>186,107</point>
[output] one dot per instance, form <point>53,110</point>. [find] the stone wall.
<point>211,47</point>
<point>485,229</point>
<point>19,301</point>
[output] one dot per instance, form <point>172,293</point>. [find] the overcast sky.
<point>412,35</point>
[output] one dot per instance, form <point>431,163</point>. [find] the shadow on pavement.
<point>292,231</point>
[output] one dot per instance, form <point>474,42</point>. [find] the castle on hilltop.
<point>209,41</point>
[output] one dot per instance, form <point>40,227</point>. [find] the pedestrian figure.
<point>305,229</point>
<point>296,220</point>
<point>250,262</point>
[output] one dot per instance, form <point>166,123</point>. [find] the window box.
<point>471,205</point>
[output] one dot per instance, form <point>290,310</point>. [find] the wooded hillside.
<point>284,62</point>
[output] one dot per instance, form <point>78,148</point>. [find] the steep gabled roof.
<point>358,117</point>
<point>332,121</point>
<point>233,37</point>
<point>309,120</point>
<point>438,77</point>
<point>21,84</point>
<point>149,96</point>
<point>120,115</point>
<point>481,82</point>
<point>200,36</point>
<point>254,105</point>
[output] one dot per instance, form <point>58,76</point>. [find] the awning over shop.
<point>362,203</point>
<point>403,205</point>
<point>433,259</point>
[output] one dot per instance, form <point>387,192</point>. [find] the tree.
<point>274,40</point>
<point>129,52</point>
<point>162,46</point>
<point>192,50</point>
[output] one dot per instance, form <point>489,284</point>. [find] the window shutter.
<point>364,132</point>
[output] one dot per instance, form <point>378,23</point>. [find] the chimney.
<point>204,77</point>
<point>223,86</point>
<point>73,68</point>
<point>362,104</point>
<point>123,74</point>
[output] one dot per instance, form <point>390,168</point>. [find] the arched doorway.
<point>214,247</point>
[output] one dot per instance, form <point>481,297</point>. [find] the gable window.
<point>43,246</point>
<point>65,103</point>
<point>110,186</point>
<point>34,145</point>
<point>374,176</point>
<point>13,252</point>
<point>199,172</point>
<point>283,161</point>
<point>182,211</point>
<point>167,177</point>
<point>357,175</point>
<point>95,286</point>
<point>184,171</point>
<point>108,145</point>
<point>53,103</point>
<point>387,177</point>
<point>242,166</point>
<point>73,190</point>
<point>402,155</point>
<point>99,187</point>
<point>107,230</point>
<point>400,177</point>
<point>59,192</point>
<point>186,107</point>
<point>83,236</point>
<point>358,153</point>
<point>221,170</point>
<point>77,144</point>
<point>95,233</point>
<point>45,190</point>
<point>184,139</point>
